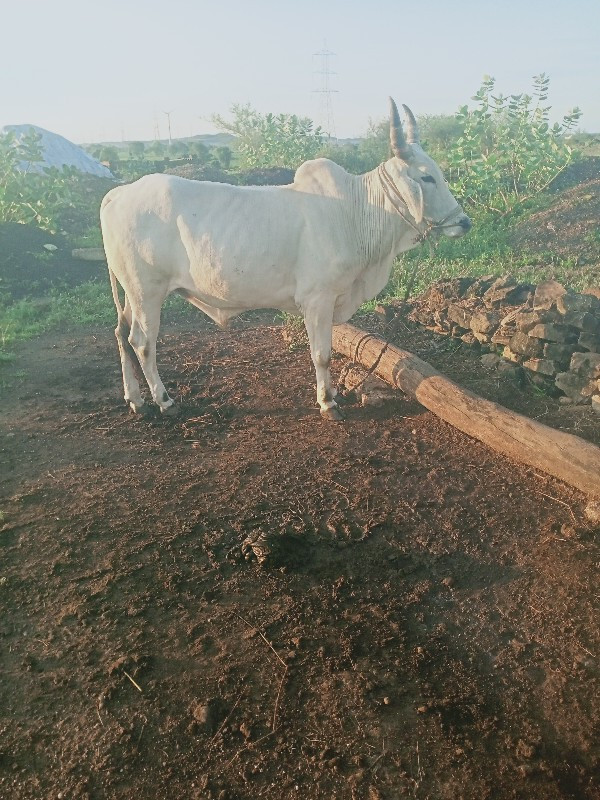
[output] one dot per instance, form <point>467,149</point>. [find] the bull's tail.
<point>115,294</point>
<point>122,320</point>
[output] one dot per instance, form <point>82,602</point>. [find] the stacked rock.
<point>554,333</point>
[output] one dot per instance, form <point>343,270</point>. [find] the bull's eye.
<point>428,179</point>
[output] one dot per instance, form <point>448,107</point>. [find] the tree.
<point>158,149</point>
<point>179,149</point>
<point>224,156</point>
<point>137,150</point>
<point>438,133</point>
<point>507,151</point>
<point>95,150</point>
<point>366,154</point>
<point>110,155</point>
<point>269,140</point>
<point>200,152</point>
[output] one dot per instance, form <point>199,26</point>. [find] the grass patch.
<point>65,310</point>
<point>87,304</point>
<point>487,250</point>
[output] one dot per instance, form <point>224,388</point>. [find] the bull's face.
<point>420,182</point>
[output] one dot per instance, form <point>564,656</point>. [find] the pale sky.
<point>98,70</point>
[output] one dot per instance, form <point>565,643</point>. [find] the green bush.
<point>271,140</point>
<point>507,152</point>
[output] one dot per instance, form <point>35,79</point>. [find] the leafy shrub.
<point>507,152</point>
<point>271,140</point>
<point>44,198</point>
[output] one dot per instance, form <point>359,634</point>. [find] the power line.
<point>168,115</point>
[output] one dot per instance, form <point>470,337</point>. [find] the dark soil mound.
<point>29,269</point>
<point>199,172</point>
<point>586,169</point>
<point>569,228</point>
<point>273,176</point>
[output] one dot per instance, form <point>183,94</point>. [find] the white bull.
<point>320,246</point>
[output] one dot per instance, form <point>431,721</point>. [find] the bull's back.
<point>251,246</point>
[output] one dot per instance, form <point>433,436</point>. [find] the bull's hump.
<point>320,176</point>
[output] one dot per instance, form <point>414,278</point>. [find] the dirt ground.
<point>424,623</point>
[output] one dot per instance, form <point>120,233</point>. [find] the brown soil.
<point>425,623</point>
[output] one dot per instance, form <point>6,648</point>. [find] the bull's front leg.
<point>318,319</point>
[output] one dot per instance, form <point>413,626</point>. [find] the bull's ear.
<point>412,194</point>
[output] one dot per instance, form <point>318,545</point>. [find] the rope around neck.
<point>392,193</point>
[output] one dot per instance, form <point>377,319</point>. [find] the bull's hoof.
<point>170,411</point>
<point>143,409</point>
<point>334,414</point>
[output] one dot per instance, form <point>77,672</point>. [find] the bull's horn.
<point>398,142</point>
<point>412,129</point>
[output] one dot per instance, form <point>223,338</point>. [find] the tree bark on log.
<point>562,455</point>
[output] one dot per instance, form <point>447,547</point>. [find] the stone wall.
<point>554,333</point>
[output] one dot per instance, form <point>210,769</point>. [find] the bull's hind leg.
<point>129,361</point>
<point>318,319</point>
<point>145,324</point>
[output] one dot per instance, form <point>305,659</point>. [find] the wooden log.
<point>89,253</point>
<point>562,455</point>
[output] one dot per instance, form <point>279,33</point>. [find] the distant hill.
<point>59,152</point>
<point>209,139</point>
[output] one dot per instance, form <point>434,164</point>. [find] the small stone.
<point>574,386</point>
<point>490,360</point>
<point>460,315</point>
<point>524,345</point>
<point>553,333</point>
<point>385,313</point>
<point>560,353</point>
<point>526,770</point>
<point>590,323</point>
<point>206,715</point>
<point>507,291</point>
<point>502,336</point>
<point>592,511</point>
<point>543,365</point>
<point>510,355</point>
<point>566,401</point>
<point>449,582</point>
<point>482,338</point>
<point>525,750</point>
<point>387,701</point>
<point>527,318</point>
<point>572,302</point>
<point>422,709</point>
<point>484,322</point>
<point>586,364</point>
<point>245,730</point>
<point>547,294</point>
<point>588,341</point>
<point>568,531</point>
